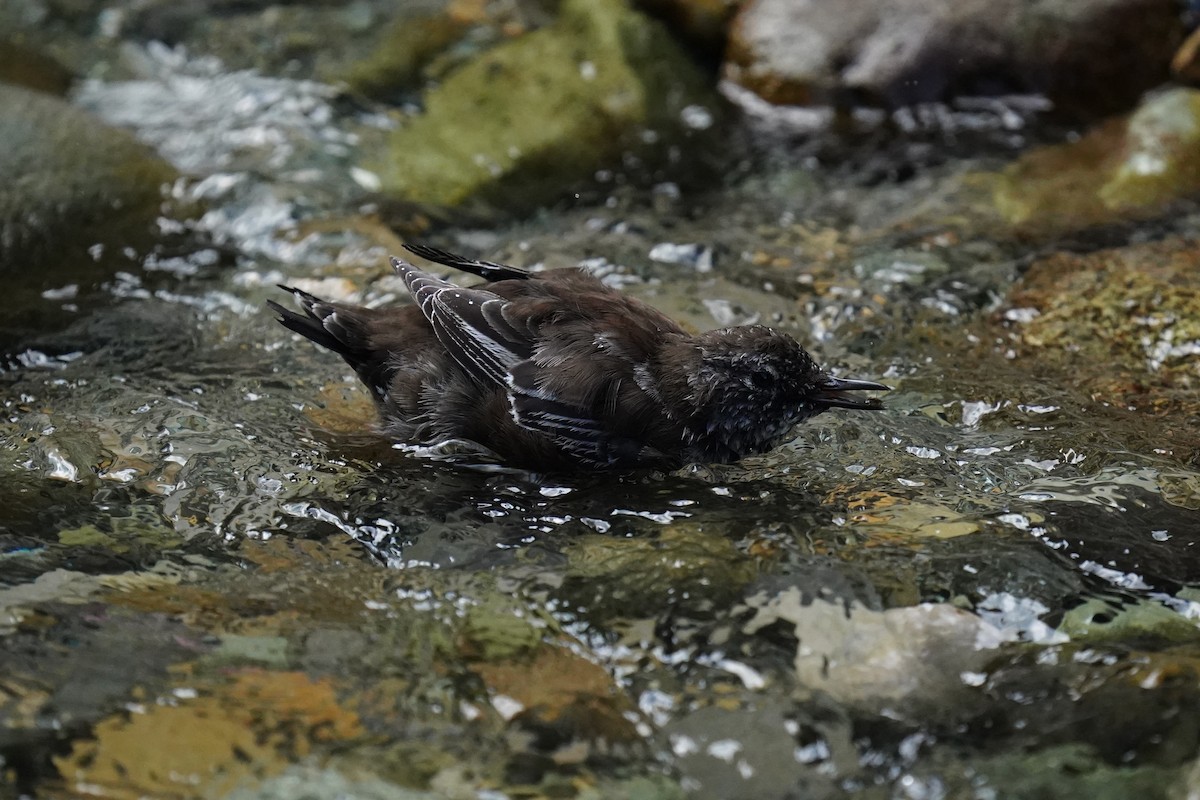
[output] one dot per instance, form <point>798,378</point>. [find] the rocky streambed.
<point>217,581</point>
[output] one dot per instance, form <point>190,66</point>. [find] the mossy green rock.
<point>407,46</point>
<point>1068,771</point>
<point>1097,621</point>
<point>1122,167</point>
<point>68,181</point>
<point>686,566</point>
<point>494,631</point>
<point>522,123</point>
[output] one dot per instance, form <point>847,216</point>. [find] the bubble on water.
<point>698,118</point>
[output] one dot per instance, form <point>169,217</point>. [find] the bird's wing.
<point>471,324</point>
<point>572,427</point>
<point>495,346</point>
<point>488,270</point>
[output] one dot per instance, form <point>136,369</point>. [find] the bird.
<point>555,371</point>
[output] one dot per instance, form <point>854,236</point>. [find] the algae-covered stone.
<point>1138,163</point>
<point>1139,620</point>
<point>396,62</point>
<point>1064,771</point>
<point>76,199</point>
<point>684,567</point>
<point>128,535</point>
<point>495,630</point>
<point>67,181</point>
<point>523,122</point>
<point>1121,316</point>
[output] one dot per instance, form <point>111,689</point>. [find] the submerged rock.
<point>696,569</point>
<point>241,730</point>
<point>1122,328</point>
<point>1126,320</point>
<point>1095,56</point>
<point>519,125</point>
<point>907,659</point>
<point>1064,771</point>
<point>1133,620</point>
<point>742,753</point>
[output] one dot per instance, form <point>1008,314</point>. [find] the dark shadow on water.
<point>400,503</point>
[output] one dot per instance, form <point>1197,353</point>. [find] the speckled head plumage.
<point>749,386</point>
<point>555,370</point>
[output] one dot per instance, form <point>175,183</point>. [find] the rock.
<point>741,754</point>
<point>1092,57</point>
<point>519,125</point>
<point>22,65</point>
<point>1120,317</point>
<point>78,663</point>
<point>1133,620</point>
<point>306,780</point>
<point>242,730</point>
<point>395,64</point>
<point>68,182</point>
<point>703,24</point>
<point>1064,771</point>
<point>559,695</point>
<point>1128,165</point>
<point>906,659</point>
<point>1123,325</point>
<point>78,200</point>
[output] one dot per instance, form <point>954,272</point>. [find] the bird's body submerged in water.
<point>554,370</point>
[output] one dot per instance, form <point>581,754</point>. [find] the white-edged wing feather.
<point>476,328</point>
<point>572,428</point>
<point>470,324</point>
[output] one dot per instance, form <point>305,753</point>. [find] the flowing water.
<point>218,581</point>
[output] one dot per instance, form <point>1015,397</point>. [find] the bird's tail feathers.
<point>340,329</point>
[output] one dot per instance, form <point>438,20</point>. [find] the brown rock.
<point>1124,316</point>
<point>559,690</point>
<point>702,23</point>
<point>22,65</point>
<point>1089,57</point>
<point>1186,63</point>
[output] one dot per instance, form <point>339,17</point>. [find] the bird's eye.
<point>761,379</point>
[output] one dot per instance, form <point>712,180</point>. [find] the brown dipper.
<point>556,371</point>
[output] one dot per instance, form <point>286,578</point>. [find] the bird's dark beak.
<point>831,393</point>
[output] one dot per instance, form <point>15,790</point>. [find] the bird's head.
<point>751,385</point>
